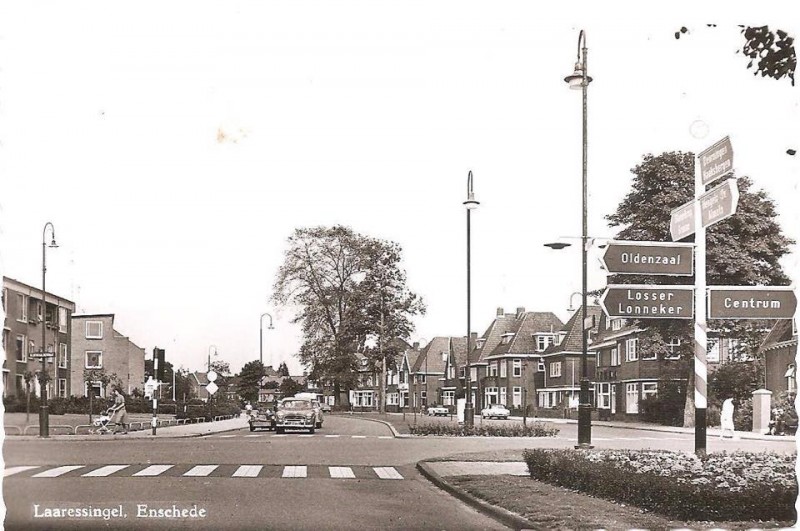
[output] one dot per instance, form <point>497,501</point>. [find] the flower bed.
<point>535,429</point>
<point>720,487</point>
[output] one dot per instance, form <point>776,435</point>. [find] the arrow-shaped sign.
<point>648,301</point>
<point>649,258</point>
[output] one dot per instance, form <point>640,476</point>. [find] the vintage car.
<point>262,419</point>
<point>435,411</point>
<point>296,413</point>
<point>496,411</point>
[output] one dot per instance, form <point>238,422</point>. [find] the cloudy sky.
<point>176,145</point>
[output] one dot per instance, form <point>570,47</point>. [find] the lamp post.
<point>261,348</point>
<point>44,420</point>
<point>471,204</point>
<point>579,80</point>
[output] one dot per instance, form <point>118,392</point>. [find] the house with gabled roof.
<point>404,385</point>
<point>779,350</point>
<point>562,362</point>
<point>453,381</point>
<point>509,358</point>
<point>427,372</point>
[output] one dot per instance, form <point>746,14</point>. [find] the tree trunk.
<point>688,409</point>
<point>28,406</point>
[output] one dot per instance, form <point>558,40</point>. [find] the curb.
<point>667,429</point>
<point>109,437</point>
<point>503,516</point>
<point>396,434</point>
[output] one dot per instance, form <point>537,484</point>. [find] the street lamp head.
<point>575,80</point>
<point>470,203</point>
<point>557,245</point>
<point>53,244</point>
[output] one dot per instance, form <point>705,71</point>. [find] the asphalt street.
<point>352,474</point>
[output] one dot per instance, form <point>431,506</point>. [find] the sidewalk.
<point>166,432</point>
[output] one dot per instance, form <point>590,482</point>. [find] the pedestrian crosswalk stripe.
<point>295,471</point>
<point>358,436</point>
<point>279,435</point>
<point>104,471</point>
<point>306,435</point>
<point>331,436</point>
<point>58,471</point>
<point>253,435</point>
<point>201,470</point>
<point>16,469</point>
<point>385,437</point>
<point>387,472</point>
<point>341,472</point>
<point>153,470</point>
<point>247,471</point>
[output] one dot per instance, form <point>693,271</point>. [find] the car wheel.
<point>252,428</point>
<point>311,431</point>
<point>319,425</point>
<point>278,430</point>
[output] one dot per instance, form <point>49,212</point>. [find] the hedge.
<point>719,487</point>
<point>534,429</point>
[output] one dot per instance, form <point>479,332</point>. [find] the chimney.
<point>500,312</point>
<point>520,311</point>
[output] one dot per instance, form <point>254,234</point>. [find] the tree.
<point>772,53</point>
<point>734,379</point>
<point>742,250</point>
<point>330,275</point>
<point>250,380</point>
<point>289,387</point>
<point>99,375</point>
<point>283,369</point>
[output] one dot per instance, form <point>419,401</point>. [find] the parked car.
<point>326,408</point>
<point>294,413</point>
<point>435,411</point>
<point>262,419</point>
<point>496,411</point>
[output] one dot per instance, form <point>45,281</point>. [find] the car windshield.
<point>295,404</point>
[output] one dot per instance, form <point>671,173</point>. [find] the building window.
<point>94,329</point>
<point>62,388</point>
<point>649,389</point>
<point>403,377</point>
<point>604,395</point>
<point>62,320</point>
<point>362,398</point>
<point>543,341</point>
<point>493,368</point>
<point>20,385</point>
<point>22,300</point>
<point>96,388</point>
<point>540,365</point>
<point>517,397</point>
<point>503,395</point>
<point>516,368</point>
<point>490,394</point>
<point>423,396</point>
<point>555,369</point>
<point>461,372</point>
<point>673,349</point>
<point>791,378</point>
<point>505,339</point>
<point>473,374</point>
<point>62,355</point>
<point>448,398</point>
<point>632,398</point>
<point>630,349</point>
<point>392,399</point>
<point>451,372</point>
<point>651,355</point>
<point>423,378</point>
<point>616,324</point>
<point>503,369</point>
<point>94,359</point>
<point>21,350</point>
<point>5,340</point>
<point>615,361</point>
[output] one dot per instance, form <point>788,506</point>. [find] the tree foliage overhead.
<point>338,280</point>
<point>250,380</point>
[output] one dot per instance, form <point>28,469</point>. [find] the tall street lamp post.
<point>44,420</point>
<point>261,348</point>
<point>579,80</point>
<point>471,204</point>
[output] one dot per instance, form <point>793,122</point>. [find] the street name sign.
<point>649,258</point>
<point>751,302</point>
<point>715,205</point>
<point>648,301</point>
<point>716,161</point>
<point>40,354</point>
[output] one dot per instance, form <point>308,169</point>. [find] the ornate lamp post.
<point>44,420</point>
<point>471,204</point>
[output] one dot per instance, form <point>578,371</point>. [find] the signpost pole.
<point>155,402</point>
<point>700,325</point>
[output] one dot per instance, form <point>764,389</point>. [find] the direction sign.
<point>648,301</point>
<point>751,302</point>
<point>212,388</point>
<point>649,258</point>
<point>39,354</point>
<point>716,161</point>
<point>715,205</point>
<point>681,222</point>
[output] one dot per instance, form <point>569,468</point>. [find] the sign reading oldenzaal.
<point>751,302</point>
<point>649,258</point>
<point>646,301</point>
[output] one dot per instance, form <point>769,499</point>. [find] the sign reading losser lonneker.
<point>648,301</point>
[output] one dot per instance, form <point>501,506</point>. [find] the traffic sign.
<point>39,354</point>
<point>211,376</point>
<point>649,258</point>
<point>716,161</point>
<point>715,205</point>
<point>648,301</point>
<point>212,388</point>
<point>751,302</point>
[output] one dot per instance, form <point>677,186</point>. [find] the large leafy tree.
<point>338,280</point>
<point>249,380</point>
<point>742,250</point>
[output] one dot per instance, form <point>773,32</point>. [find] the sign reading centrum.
<point>751,302</point>
<point>648,301</point>
<point>649,258</point>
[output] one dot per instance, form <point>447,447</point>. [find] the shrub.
<point>737,486</point>
<point>665,408</point>
<point>534,429</point>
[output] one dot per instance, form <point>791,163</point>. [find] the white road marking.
<point>201,470</point>
<point>385,437</point>
<point>358,436</point>
<point>247,471</point>
<point>58,471</point>
<point>387,472</point>
<point>226,436</point>
<point>332,436</point>
<point>305,435</point>
<point>104,471</point>
<point>16,470</point>
<point>280,435</point>
<point>252,435</point>
<point>341,472</point>
<point>153,470</point>
<point>295,471</point>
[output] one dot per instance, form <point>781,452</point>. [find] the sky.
<point>176,146</point>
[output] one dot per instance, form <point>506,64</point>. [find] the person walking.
<point>248,408</point>
<point>726,419</point>
<point>119,414</point>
